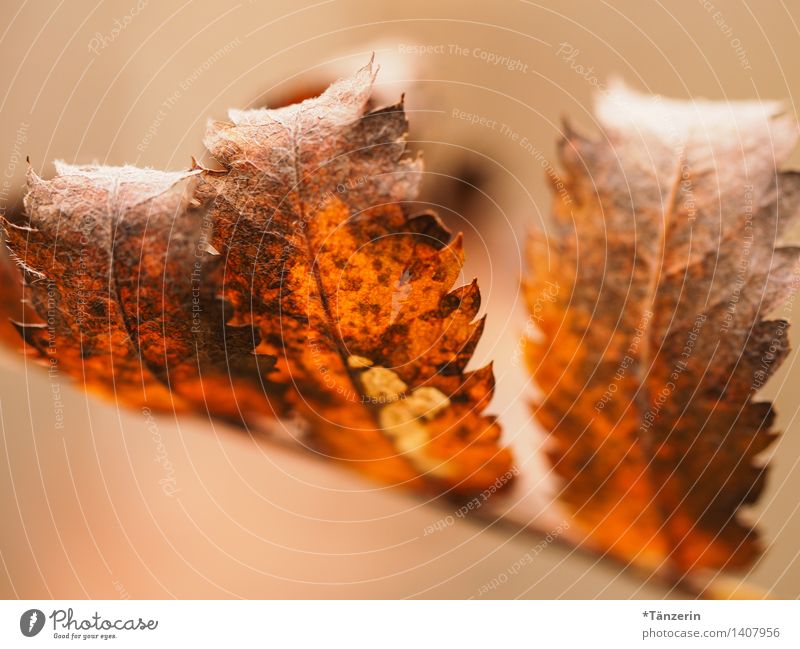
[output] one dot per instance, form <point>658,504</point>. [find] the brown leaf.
<point>293,281</point>
<point>351,294</point>
<point>115,264</point>
<point>653,293</point>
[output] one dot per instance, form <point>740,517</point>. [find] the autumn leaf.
<point>116,267</point>
<point>350,293</point>
<point>293,281</point>
<point>657,292</point>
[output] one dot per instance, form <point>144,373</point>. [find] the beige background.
<point>83,512</point>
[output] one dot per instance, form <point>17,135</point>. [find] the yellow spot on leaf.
<point>357,362</point>
<point>383,384</point>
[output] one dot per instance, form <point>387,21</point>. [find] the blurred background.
<point>101,502</point>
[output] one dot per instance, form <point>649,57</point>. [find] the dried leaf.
<point>292,281</point>
<point>115,267</point>
<point>350,294</point>
<point>653,293</point>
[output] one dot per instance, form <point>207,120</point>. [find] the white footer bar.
<point>401,624</point>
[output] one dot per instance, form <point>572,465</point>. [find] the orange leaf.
<point>652,293</point>
<point>294,281</point>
